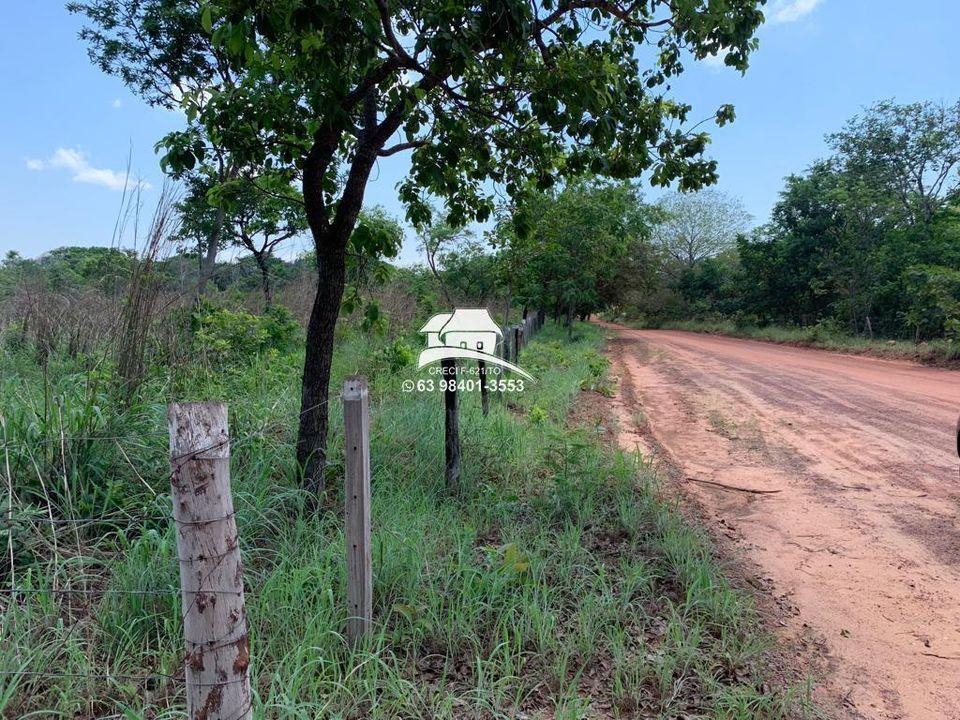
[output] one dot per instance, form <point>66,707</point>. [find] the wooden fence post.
<point>451,425</point>
<point>484,397</point>
<point>517,340</point>
<point>217,660</point>
<point>356,511</point>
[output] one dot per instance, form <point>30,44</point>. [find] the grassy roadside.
<point>556,584</point>
<point>941,353</point>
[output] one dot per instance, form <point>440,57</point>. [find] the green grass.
<point>556,583</point>
<point>933,352</point>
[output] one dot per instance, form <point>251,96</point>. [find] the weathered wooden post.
<point>217,660</point>
<point>517,344</point>
<point>356,511</point>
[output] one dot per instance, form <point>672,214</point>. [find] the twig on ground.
<point>731,487</point>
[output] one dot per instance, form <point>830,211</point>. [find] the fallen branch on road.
<point>731,487</point>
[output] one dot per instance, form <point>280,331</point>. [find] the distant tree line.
<point>108,270</point>
<point>867,240</point>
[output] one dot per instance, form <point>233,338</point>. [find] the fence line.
<point>257,434</point>
<point>100,592</point>
<point>40,518</point>
<point>515,337</point>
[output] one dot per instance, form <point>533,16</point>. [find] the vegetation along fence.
<point>217,658</point>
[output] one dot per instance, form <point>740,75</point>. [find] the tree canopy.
<point>485,94</point>
<point>699,225</point>
<point>576,238</point>
<point>867,240</point>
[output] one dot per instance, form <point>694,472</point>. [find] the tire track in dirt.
<point>861,530</point>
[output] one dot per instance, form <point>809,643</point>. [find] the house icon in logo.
<point>464,333</point>
<point>465,328</point>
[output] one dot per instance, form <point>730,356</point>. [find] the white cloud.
<point>716,60</point>
<point>117,102</point>
<point>77,164</point>
<point>787,11</point>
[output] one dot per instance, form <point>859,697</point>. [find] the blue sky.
<point>68,130</point>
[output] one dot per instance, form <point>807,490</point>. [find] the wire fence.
<point>15,595</point>
<point>96,588</point>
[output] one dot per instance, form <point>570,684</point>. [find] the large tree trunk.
<point>312,436</point>
<point>330,240</point>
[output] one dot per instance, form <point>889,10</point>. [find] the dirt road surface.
<point>837,478</point>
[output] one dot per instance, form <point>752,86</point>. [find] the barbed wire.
<point>46,520</point>
<point>259,433</point>
<point>109,591</point>
<point>89,676</point>
<point>41,518</point>
<point>115,676</point>
<point>233,441</point>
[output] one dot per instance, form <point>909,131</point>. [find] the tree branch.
<point>400,147</point>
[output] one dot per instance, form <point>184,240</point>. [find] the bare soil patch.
<point>835,478</point>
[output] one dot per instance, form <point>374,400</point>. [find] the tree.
<point>472,272</point>
<point>201,224</point>
<point>934,293</point>
<point>438,240</point>
<point>911,150</point>
<point>493,92</point>
<point>699,225</point>
<point>162,53</point>
<point>261,213</point>
<point>575,240</point>
<point>711,286</point>
<point>376,236</point>
<point>852,239</point>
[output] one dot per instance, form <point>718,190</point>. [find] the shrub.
<point>283,331</point>
<point>395,356</point>
<point>234,336</point>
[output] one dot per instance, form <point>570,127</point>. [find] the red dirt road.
<point>860,536</point>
